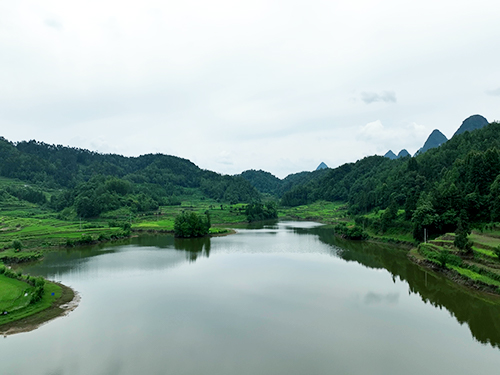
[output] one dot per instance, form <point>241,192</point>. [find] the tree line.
<point>455,184</point>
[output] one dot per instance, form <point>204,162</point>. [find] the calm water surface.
<point>288,298</point>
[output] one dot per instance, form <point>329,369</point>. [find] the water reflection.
<point>479,311</point>
<point>194,247</point>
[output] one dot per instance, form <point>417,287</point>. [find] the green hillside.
<point>89,184</point>
<point>458,181</point>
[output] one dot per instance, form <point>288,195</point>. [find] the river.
<point>285,298</point>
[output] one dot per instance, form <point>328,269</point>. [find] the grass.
<point>47,301</point>
<point>489,253</point>
<point>14,294</point>
<point>475,276</point>
<point>484,239</point>
<point>326,212</point>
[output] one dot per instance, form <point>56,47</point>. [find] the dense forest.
<point>449,188</point>
<point>96,183</point>
<point>455,184</point>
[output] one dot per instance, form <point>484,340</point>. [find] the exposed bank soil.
<point>67,302</point>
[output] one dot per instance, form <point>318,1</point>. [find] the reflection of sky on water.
<point>283,299</point>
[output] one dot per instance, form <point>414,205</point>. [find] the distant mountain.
<point>322,166</point>
<point>391,155</point>
<point>436,139</point>
<point>403,153</point>
<point>471,123</point>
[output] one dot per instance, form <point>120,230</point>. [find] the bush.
<point>103,237</point>
<point>86,239</point>
<point>351,233</point>
<point>17,245</point>
<point>37,294</point>
<point>443,257</point>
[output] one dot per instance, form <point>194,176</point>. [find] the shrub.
<point>37,294</point>
<point>17,245</point>
<point>103,237</point>
<point>86,239</point>
<point>443,257</point>
<point>351,233</point>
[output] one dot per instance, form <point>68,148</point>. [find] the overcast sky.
<point>235,85</point>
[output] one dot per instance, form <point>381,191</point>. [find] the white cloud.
<point>269,83</point>
<point>495,92</point>
<point>372,97</point>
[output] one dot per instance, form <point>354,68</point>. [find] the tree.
<point>461,241</point>
<point>259,211</point>
<point>424,217</point>
<point>389,215</point>
<point>190,224</point>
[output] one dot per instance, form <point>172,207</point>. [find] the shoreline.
<point>410,248</point>
<point>67,302</point>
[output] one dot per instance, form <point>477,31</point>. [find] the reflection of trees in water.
<point>261,224</point>
<point>481,313</point>
<point>194,247</point>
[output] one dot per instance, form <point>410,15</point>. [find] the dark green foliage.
<point>433,188</point>
<point>443,257</point>
<point>232,189</point>
<point>425,218</point>
<point>350,233</point>
<point>28,194</point>
<point>94,183</point>
<point>37,294</point>
<point>190,224</point>
<point>389,215</point>
<point>263,181</point>
<point>297,196</point>
<point>259,211</point>
<point>461,241</point>
<point>37,282</point>
<point>497,251</point>
<point>17,245</point>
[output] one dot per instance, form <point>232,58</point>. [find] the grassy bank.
<point>479,268</point>
<point>24,316</point>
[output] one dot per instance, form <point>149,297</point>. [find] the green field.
<point>326,212</point>
<point>13,300</point>
<point>14,294</point>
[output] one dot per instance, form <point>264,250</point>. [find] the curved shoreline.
<point>66,303</point>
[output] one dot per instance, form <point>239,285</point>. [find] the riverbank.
<point>479,271</point>
<point>58,300</point>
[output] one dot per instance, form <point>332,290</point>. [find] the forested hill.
<point>458,181</point>
<point>113,180</point>
<point>267,183</point>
